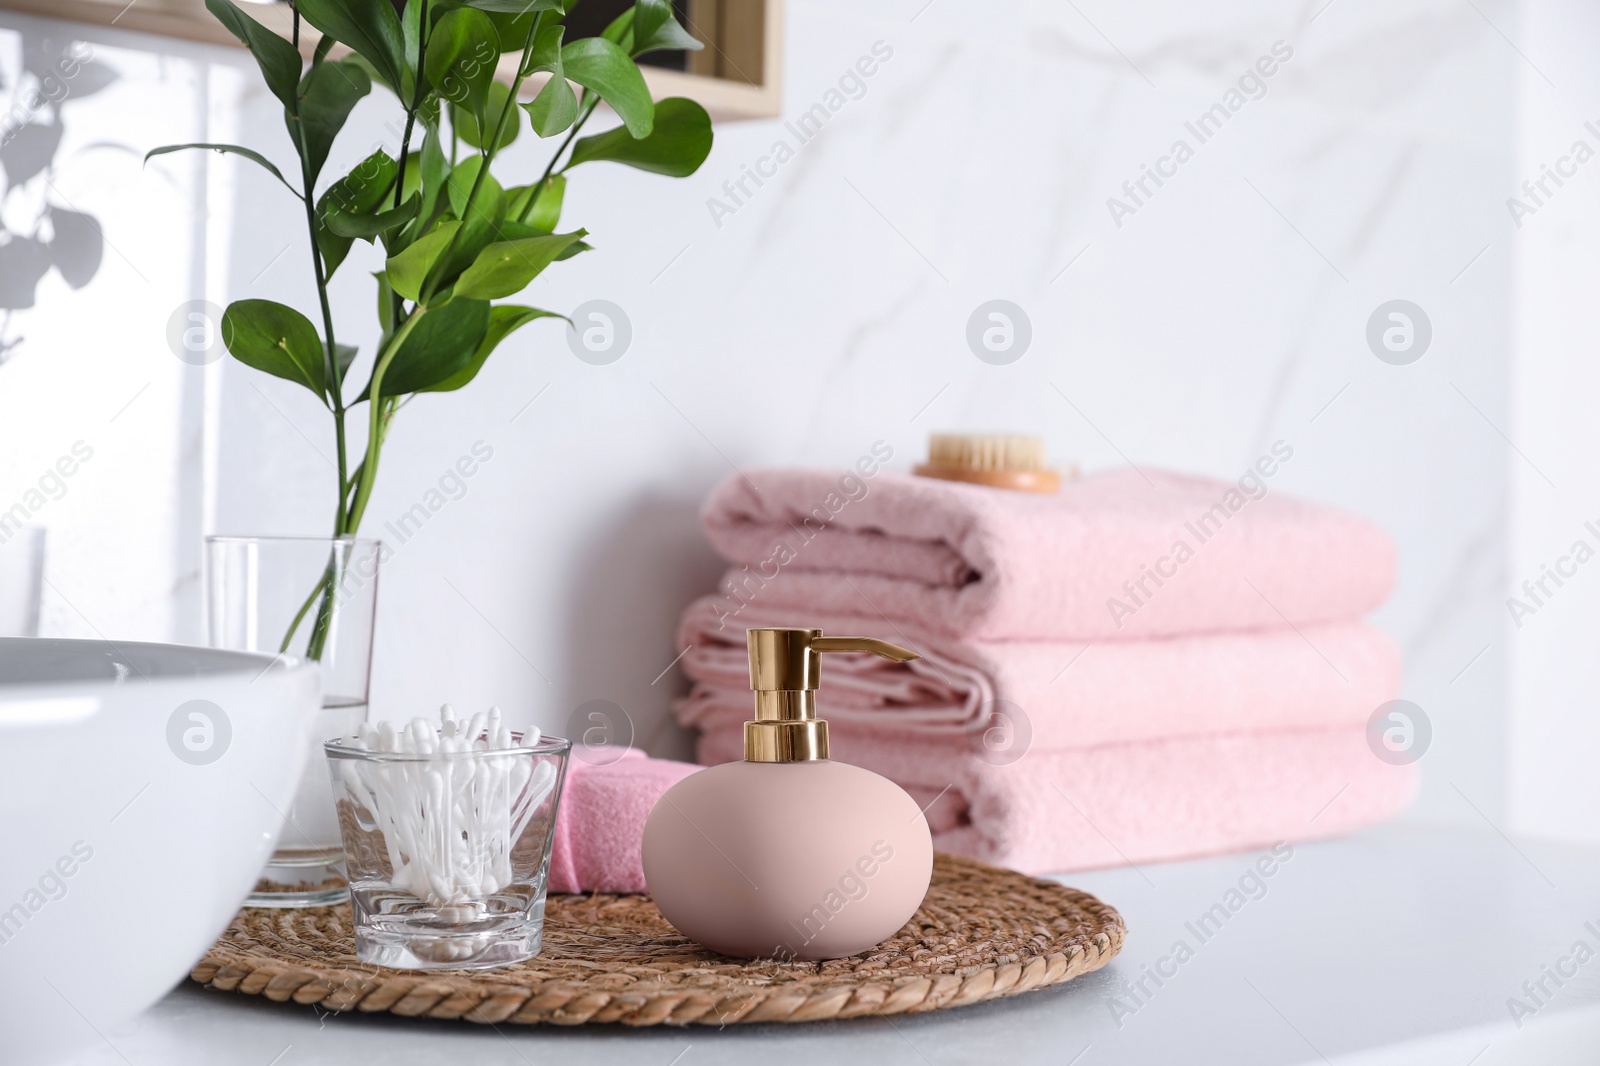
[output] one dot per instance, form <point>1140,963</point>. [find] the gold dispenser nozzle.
<point>785,668</point>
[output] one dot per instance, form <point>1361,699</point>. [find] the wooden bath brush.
<point>999,460</point>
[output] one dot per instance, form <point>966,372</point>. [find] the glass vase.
<point>307,597</point>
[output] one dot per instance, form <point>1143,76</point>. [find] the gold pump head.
<point>785,667</point>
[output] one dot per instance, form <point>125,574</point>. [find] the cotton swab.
<point>448,825</point>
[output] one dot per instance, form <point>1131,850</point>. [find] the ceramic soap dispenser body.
<point>788,854</point>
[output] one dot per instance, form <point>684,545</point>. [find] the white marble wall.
<point>829,310</point>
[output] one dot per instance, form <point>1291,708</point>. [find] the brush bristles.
<point>986,451</point>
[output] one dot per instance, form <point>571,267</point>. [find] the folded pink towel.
<point>1114,804</point>
<point>1064,695</point>
<point>600,821</point>
<point>1118,554</point>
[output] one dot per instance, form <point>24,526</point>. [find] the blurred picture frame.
<point>737,75</point>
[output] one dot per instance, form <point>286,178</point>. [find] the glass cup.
<point>21,579</point>
<point>309,597</point>
<point>448,854</point>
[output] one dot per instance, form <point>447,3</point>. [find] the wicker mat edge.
<point>480,997</point>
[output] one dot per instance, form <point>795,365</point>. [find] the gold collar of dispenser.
<point>785,667</point>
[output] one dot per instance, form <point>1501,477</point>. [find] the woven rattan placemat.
<point>982,933</point>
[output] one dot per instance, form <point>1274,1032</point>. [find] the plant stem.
<point>300,616</point>
<point>324,622</point>
<point>416,102</point>
<point>335,386</point>
<point>379,405</point>
<point>527,208</point>
<point>330,351</point>
<point>335,397</point>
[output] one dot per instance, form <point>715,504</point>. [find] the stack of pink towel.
<point>1139,667</point>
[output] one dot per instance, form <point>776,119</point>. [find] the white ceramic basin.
<point>141,787</point>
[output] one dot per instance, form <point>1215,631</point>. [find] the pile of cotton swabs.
<point>449,822</point>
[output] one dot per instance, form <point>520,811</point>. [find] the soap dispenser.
<point>788,854</point>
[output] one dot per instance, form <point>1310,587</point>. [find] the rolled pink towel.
<point>1119,554</point>
<point>601,821</point>
<point>1115,804</point>
<point>1066,694</point>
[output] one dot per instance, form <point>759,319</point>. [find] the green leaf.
<point>655,29</point>
<point>597,64</point>
<point>234,149</point>
<point>438,347</point>
<point>386,309</point>
<point>333,247</point>
<point>277,58</point>
<point>468,127</point>
<point>481,222</point>
<point>515,7</point>
<point>366,187</point>
<point>343,356</point>
<point>512,29</point>
<point>276,339</point>
<point>506,267</point>
<point>462,53</point>
<point>327,94</point>
<point>434,172</point>
<point>508,229</point>
<point>511,230</point>
<point>409,269</point>
<point>503,321</point>
<point>413,180</point>
<point>460,185</point>
<point>411,12</point>
<point>478,230</point>
<point>545,213</point>
<point>676,147</point>
<point>366,227</point>
<point>359,192</point>
<point>429,111</point>
<point>556,106</point>
<point>546,54</point>
<point>370,27</point>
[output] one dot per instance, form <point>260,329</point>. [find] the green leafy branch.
<point>455,238</point>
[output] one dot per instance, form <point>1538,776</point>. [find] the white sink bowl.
<point>133,821</point>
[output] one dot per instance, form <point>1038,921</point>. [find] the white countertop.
<point>1400,945</point>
